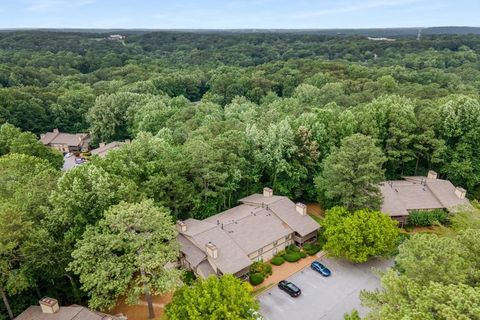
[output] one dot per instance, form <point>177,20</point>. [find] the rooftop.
<point>417,193</point>
<point>69,139</point>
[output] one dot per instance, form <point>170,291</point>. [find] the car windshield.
<point>293,287</point>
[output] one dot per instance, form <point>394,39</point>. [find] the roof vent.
<point>49,305</point>
<point>432,175</point>
<point>301,208</point>
<point>460,192</point>
<point>267,192</point>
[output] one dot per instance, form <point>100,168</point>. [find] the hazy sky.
<point>207,14</point>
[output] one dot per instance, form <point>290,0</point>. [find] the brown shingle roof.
<point>417,193</point>
<point>244,229</point>
<point>71,140</point>
<point>104,149</point>
<point>64,313</point>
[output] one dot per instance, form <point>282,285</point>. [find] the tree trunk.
<point>5,301</point>
<point>148,297</point>
<point>416,165</point>
<point>76,293</point>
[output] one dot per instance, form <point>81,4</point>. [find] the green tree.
<point>403,298</point>
<point>360,235</point>
<point>216,298</point>
<point>127,253</point>
<point>351,174</point>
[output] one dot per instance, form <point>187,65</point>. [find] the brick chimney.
<point>301,208</point>
<point>49,305</point>
<point>267,192</point>
<point>460,192</point>
<point>55,130</point>
<point>181,226</point>
<point>432,174</point>
<point>212,250</point>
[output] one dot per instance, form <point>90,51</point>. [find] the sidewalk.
<point>288,269</point>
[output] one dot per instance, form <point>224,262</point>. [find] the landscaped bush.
<point>260,267</point>
<point>426,218</point>
<point>293,256</point>
<point>292,248</point>
<point>277,261</point>
<point>281,253</point>
<point>302,254</point>
<point>256,278</point>
<point>311,248</point>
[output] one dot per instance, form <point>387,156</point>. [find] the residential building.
<point>49,309</point>
<point>66,142</point>
<point>400,197</point>
<point>103,149</point>
<point>116,37</point>
<point>229,242</point>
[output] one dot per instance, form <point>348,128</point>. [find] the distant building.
<point>66,142</point>
<point>49,309</point>
<point>256,230</point>
<point>400,197</point>
<point>380,39</point>
<point>116,37</point>
<point>103,149</point>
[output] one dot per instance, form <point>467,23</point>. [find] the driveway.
<point>323,298</point>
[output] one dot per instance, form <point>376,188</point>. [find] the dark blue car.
<point>320,268</point>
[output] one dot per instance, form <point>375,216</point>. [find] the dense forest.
<point>212,117</point>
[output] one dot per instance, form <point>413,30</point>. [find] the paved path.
<point>323,298</point>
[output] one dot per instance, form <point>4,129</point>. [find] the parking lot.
<point>323,298</point>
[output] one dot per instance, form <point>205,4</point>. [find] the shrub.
<point>302,254</point>
<point>281,253</point>
<point>189,278</point>
<point>256,278</point>
<point>268,269</point>
<point>426,218</point>
<point>277,261</point>
<point>312,249</point>
<point>293,256</point>
<point>260,267</point>
<point>292,248</point>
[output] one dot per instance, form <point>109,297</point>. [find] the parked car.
<point>289,288</point>
<point>68,155</point>
<point>320,268</point>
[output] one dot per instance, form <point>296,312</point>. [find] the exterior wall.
<point>267,252</point>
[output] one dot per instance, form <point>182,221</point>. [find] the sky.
<point>239,14</point>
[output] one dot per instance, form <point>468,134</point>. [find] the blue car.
<point>320,268</point>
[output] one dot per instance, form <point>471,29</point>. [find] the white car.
<point>68,155</point>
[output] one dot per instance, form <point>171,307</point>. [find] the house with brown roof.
<point>400,197</point>
<point>229,242</point>
<point>104,149</point>
<point>49,309</point>
<point>66,142</point>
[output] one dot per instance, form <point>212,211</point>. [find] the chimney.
<point>102,144</point>
<point>49,305</point>
<point>181,226</point>
<point>127,141</point>
<point>301,208</point>
<point>267,192</point>
<point>212,250</point>
<point>460,192</point>
<point>432,174</point>
<point>55,131</point>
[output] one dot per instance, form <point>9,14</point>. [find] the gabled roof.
<point>71,140</point>
<point>242,230</point>
<point>104,149</point>
<point>64,313</point>
<point>418,193</point>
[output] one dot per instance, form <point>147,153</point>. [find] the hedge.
<point>277,261</point>
<point>256,278</point>
<point>426,218</point>
<point>293,256</point>
<point>311,249</point>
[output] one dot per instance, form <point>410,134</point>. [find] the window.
<point>275,243</point>
<point>275,251</point>
<point>260,251</point>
